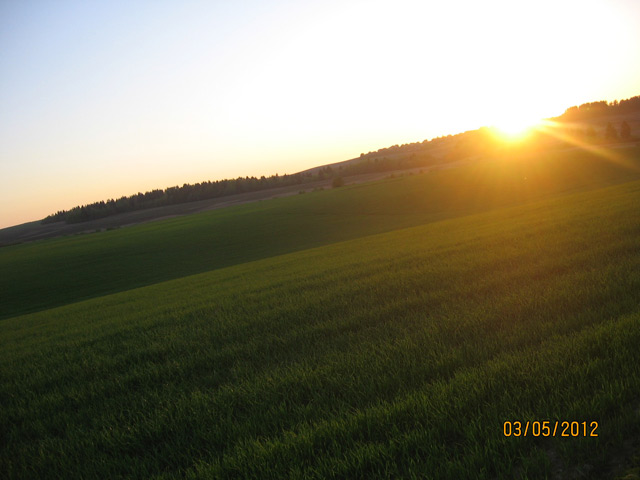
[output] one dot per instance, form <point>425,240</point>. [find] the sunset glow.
<point>516,128</point>
<point>103,100</point>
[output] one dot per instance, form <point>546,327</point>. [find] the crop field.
<point>55,272</point>
<point>386,330</point>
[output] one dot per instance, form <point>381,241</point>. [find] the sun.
<point>515,128</point>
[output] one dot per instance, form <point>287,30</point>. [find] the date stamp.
<point>555,428</point>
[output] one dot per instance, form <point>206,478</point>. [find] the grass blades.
<point>393,355</point>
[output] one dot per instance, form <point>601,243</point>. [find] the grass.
<point>386,355</point>
<point>50,273</point>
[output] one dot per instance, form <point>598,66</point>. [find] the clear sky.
<point>104,99</point>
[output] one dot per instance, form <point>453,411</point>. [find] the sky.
<point>104,99</point>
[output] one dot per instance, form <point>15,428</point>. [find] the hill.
<point>37,230</point>
<point>427,153</point>
<point>398,329</point>
<point>50,273</point>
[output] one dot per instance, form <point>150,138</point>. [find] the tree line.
<point>395,157</point>
<point>174,195</point>
<point>599,109</point>
<point>221,188</point>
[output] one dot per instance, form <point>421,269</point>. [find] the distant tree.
<point>337,182</point>
<point>625,131</point>
<point>611,133</point>
<point>590,132</point>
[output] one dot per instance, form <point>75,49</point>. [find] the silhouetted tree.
<point>337,182</point>
<point>625,131</point>
<point>611,133</point>
<point>596,109</point>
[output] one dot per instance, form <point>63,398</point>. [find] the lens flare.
<point>515,128</point>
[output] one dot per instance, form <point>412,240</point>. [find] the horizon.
<point>100,101</point>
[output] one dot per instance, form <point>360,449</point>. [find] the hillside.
<point>386,330</point>
<point>51,273</point>
<point>38,231</point>
<point>585,125</point>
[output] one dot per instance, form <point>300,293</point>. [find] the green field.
<point>385,330</point>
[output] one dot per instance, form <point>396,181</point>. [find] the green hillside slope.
<point>49,273</point>
<point>397,355</point>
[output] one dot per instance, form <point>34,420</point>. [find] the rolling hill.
<point>395,329</point>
